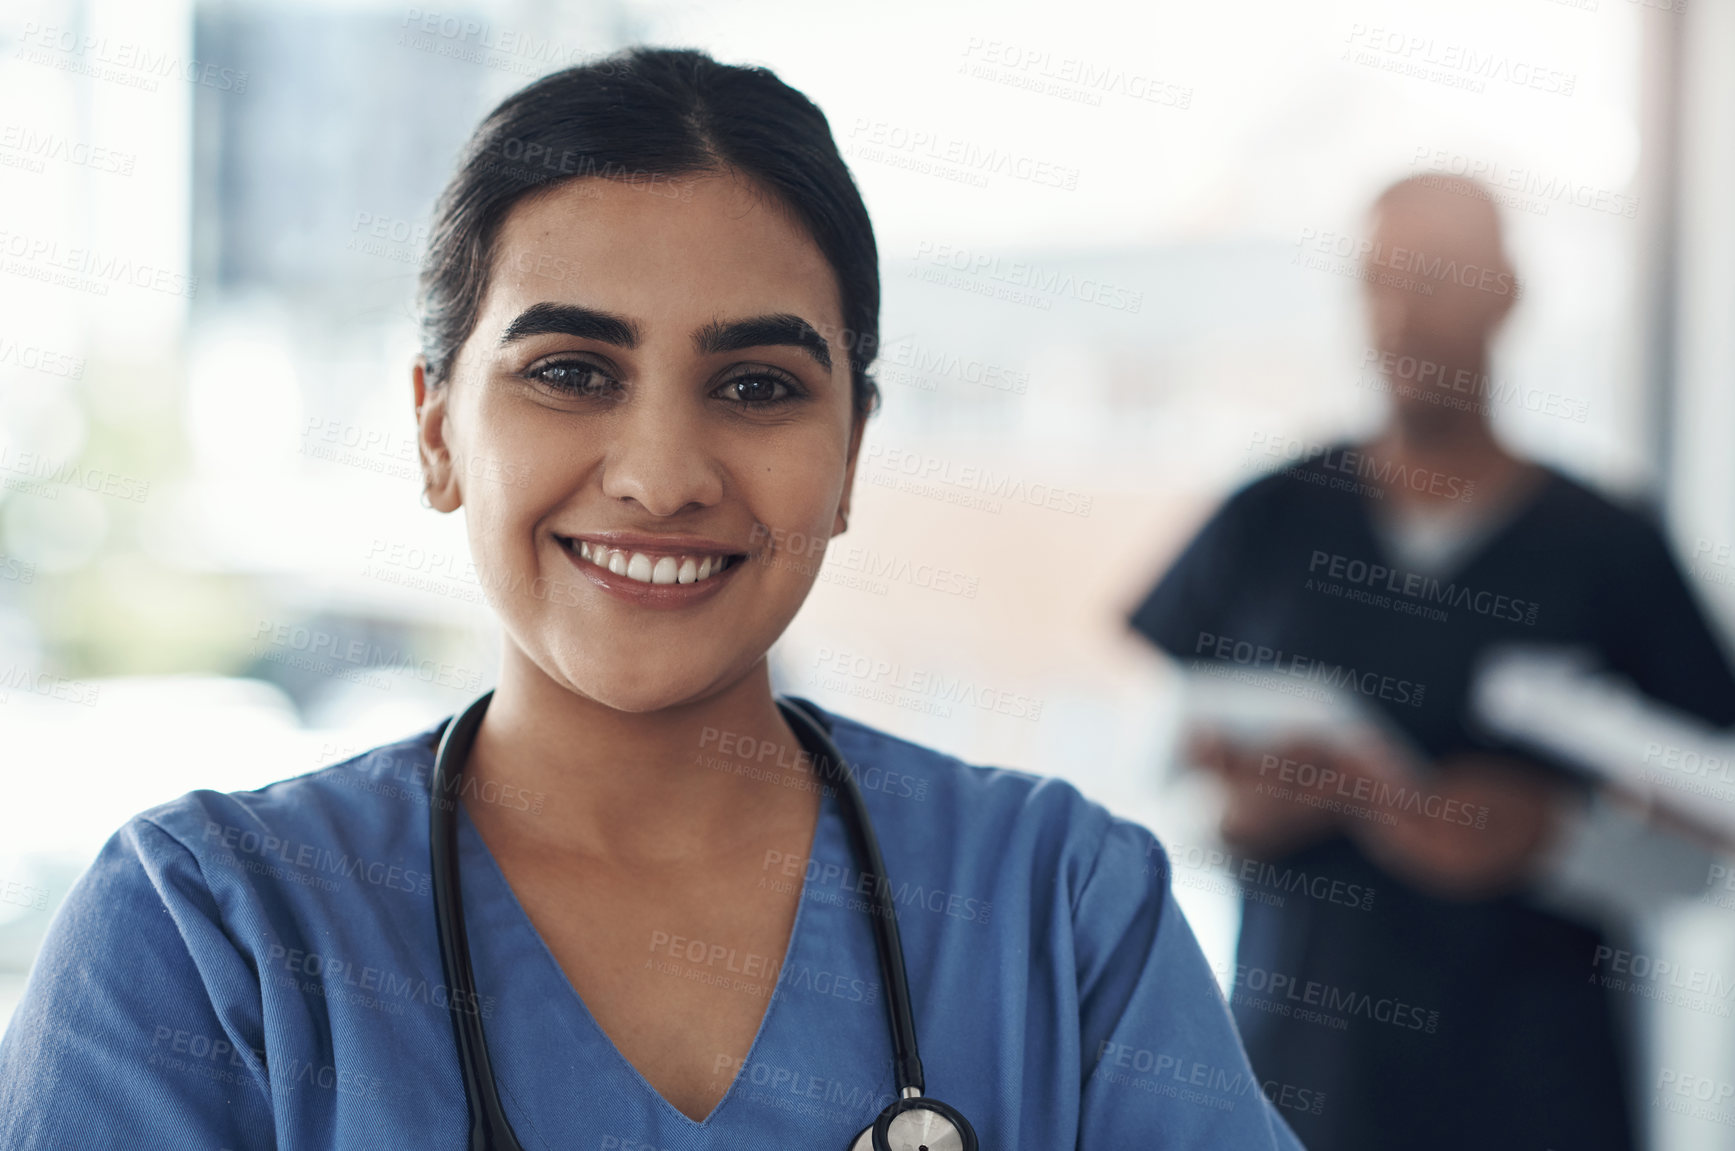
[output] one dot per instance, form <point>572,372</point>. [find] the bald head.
<point>1438,284</point>
<point>1449,216</point>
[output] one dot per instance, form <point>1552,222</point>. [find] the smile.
<point>651,571</point>
<point>650,567</point>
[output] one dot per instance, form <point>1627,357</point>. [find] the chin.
<point>639,687</point>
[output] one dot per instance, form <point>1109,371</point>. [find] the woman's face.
<point>650,429</point>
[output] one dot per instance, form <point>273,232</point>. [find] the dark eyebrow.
<point>571,320</point>
<point>782,329</point>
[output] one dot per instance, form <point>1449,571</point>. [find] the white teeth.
<point>652,569</point>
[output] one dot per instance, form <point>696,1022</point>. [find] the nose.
<point>660,456</point>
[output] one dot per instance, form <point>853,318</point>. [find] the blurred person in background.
<point>1469,980</point>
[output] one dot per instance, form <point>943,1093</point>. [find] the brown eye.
<point>579,379</point>
<point>758,389</point>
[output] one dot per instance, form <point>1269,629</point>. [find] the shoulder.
<point>361,820</point>
<point>1277,491</point>
<point>1323,479</point>
<point>164,957</point>
<point>1574,504</point>
<point>915,771</point>
<point>1615,539</point>
<point>1029,825</point>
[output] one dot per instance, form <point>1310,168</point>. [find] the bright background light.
<point>235,456</point>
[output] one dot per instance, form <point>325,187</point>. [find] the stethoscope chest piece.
<point>917,1124</point>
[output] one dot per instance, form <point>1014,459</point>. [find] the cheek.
<point>501,436</point>
<point>792,495</point>
<point>799,486</point>
<point>514,472</point>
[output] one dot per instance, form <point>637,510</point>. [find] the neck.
<point>1456,442</point>
<point>656,787</point>
<point>1462,437</point>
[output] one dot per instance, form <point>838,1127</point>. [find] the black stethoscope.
<point>911,1122</point>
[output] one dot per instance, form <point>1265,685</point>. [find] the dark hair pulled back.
<point>642,115</point>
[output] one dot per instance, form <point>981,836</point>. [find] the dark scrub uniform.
<point>1429,1024</point>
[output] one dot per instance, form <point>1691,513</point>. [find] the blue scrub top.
<point>260,970</point>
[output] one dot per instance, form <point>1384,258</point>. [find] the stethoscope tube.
<point>489,1128</point>
<point>906,1060</point>
<point>911,1120</point>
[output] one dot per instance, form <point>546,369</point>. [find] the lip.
<point>665,596</point>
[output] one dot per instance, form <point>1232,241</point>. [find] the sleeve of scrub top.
<point>1608,863</point>
<point>129,1032</point>
<point>1199,589</point>
<point>1662,638</point>
<point>1163,1063</point>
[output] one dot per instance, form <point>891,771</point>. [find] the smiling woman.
<point>652,298</point>
<point>672,400</point>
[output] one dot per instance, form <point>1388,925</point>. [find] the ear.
<point>439,477</point>
<point>841,523</point>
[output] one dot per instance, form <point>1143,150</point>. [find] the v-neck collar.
<point>1505,522</point>
<point>493,909</point>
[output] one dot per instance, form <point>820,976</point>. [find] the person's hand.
<point>1267,810</point>
<point>1473,830</point>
